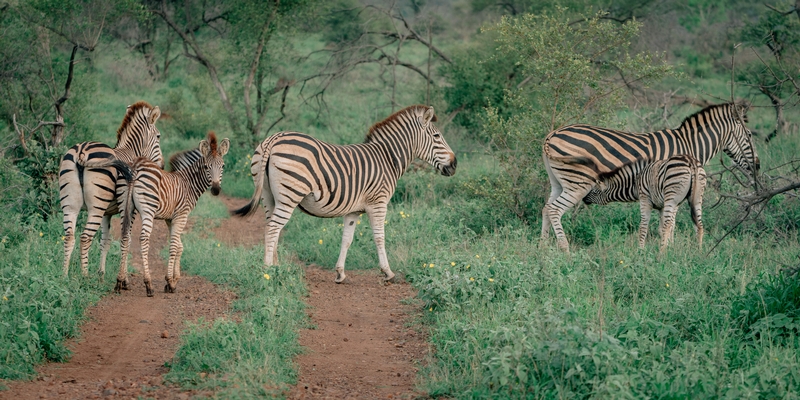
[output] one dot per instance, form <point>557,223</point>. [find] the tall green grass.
<point>39,309</point>
<point>249,352</point>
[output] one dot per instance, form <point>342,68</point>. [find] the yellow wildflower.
<point>467,266</point>
<point>266,276</point>
<point>471,279</point>
<point>452,264</point>
<point>621,262</point>
<point>217,244</point>
<point>385,222</point>
<point>668,285</point>
<point>477,256</point>
<point>430,309</point>
<point>41,234</point>
<point>432,265</point>
<point>358,222</point>
<point>324,229</point>
<point>320,241</point>
<point>5,298</point>
<point>491,280</point>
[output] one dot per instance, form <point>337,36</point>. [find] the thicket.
<point>508,316</point>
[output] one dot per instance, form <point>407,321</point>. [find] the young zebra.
<point>86,182</point>
<point>576,155</point>
<point>171,196</point>
<point>291,169</point>
<point>660,184</point>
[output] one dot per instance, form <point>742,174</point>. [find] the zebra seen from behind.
<point>171,196</point>
<point>87,182</point>
<point>576,156</point>
<point>662,185</point>
<point>291,169</point>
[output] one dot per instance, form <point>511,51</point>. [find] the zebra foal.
<point>576,156</point>
<point>291,170</point>
<point>662,185</point>
<point>171,196</point>
<point>87,181</point>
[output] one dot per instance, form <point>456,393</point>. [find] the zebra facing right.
<point>291,170</point>
<point>660,185</point>
<point>575,156</point>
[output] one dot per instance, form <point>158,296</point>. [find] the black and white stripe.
<point>171,196</point>
<point>87,182</point>
<point>291,169</point>
<point>575,156</point>
<point>662,185</point>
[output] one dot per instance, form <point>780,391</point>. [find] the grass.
<point>248,353</point>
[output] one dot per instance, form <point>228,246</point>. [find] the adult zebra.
<point>86,184</point>
<point>291,169</point>
<point>575,156</point>
<point>660,184</point>
<point>171,196</point>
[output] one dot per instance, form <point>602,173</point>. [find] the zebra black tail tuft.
<point>123,169</point>
<point>247,209</point>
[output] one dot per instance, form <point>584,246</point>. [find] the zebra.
<point>291,169</point>
<point>85,183</point>
<point>576,155</point>
<point>660,184</point>
<point>171,196</point>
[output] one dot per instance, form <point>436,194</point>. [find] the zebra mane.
<point>391,118</point>
<point>709,109</point>
<point>132,110</point>
<point>212,142</point>
<point>184,159</point>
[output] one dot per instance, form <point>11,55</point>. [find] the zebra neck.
<point>197,181</point>
<point>397,151</point>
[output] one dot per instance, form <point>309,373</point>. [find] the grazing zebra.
<point>171,196</point>
<point>291,169</point>
<point>86,183</point>
<point>575,156</point>
<point>660,184</point>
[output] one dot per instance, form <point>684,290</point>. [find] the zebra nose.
<point>215,189</point>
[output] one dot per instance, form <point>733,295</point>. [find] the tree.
<point>246,26</point>
<point>775,77</point>
<point>572,69</point>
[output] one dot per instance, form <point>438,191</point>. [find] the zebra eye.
<point>436,135</point>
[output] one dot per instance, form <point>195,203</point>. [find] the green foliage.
<point>40,310</point>
<point>573,73</point>
<point>249,353</point>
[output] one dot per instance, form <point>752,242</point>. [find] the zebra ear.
<point>224,145</point>
<point>205,148</point>
<point>428,116</point>
<point>155,113</point>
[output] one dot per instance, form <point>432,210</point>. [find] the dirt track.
<point>361,347</point>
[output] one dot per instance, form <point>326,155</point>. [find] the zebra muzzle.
<point>215,189</point>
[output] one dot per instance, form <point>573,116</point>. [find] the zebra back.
<point>702,135</point>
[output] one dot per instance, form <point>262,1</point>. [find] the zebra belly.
<point>311,206</point>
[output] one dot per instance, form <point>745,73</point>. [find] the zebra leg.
<point>144,238</point>
<point>93,222</point>
<point>377,218</point>
<point>277,220</point>
<point>556,209</point>
<point>555,190</point>
<point>347,240</point>
<point>105,243</point>
<point>70,220</point>
<point>645,208</point>
<point>667,224</point>
<point>125,241</point>
<point>696,210</point>
<point>175,250</point>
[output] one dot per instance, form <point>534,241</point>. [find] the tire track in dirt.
<point>361,346</point>
<point>128,338</point>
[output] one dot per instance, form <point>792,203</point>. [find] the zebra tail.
<point>123,169</point>
<point>697,190</point>
<point>251,207</point>
<point>127,205</point>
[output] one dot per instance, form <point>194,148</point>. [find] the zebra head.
<point>739,146</point>
<point>431,146</point>
<point>212,161</point>
<point>138,131</point>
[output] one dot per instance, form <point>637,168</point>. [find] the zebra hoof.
<point>389,278</point>
<point>340,278</point>
<point>121,285</point>
<point>149,289</point>
<point>169,289</point>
